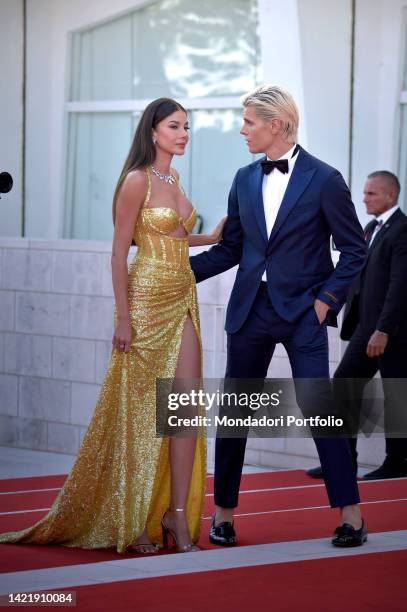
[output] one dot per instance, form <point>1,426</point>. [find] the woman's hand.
<point>206,239</point>
<point>216,235</point>
<point>122,335</point>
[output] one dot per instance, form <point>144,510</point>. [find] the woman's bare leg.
<point>182,449</point>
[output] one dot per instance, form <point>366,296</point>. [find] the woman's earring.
<point>154,140</point>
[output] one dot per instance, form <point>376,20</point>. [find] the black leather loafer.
<point>222,534</point>
<point>315,472</point>
<point>384,472</point>
<point>346,536</point>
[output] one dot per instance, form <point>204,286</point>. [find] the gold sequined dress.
<point>120,482</point>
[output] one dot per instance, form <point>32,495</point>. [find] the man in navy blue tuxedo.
<point>282,212</point>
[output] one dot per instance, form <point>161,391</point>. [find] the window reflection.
<point>98,146</point>
<point>173,47</point>
<point>217,151</point>
<point>202,51</point>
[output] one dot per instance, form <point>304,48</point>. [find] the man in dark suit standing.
<point>282,212</point>
<point>375,319</point>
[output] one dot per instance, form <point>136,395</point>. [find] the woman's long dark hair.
<point>142,151</point>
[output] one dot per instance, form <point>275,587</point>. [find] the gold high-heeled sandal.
<point>144,549</point>
<point>167,531</point>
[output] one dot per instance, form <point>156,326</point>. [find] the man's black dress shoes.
<point>346,536</point>
<point>315,472</point>
<point>385,471</point>
<point>222,534</point>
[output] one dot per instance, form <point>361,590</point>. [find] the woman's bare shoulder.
<point>174,172</point>
<point>134,187</point>
<point>132,192</point>
<point>135,179</point>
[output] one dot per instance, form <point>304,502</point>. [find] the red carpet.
<point>287,518</point>
<point>360,583</point>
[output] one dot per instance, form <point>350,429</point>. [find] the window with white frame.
<point>205,55</point>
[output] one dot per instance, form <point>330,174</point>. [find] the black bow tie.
<point>280,164</point>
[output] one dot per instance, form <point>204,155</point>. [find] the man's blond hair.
<point>274,102</point>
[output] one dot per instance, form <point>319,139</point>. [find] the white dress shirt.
<point>382,219</point>
<point>274,186</point>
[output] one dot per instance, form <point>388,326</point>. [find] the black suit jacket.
<point>377,299</point>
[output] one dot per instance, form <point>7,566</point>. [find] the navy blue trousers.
<point>249,354</point>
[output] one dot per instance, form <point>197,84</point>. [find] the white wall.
<point>325,37</point>
<point>379,61</point>
<point>306,47</point>
<point>281,51</point>
<point>11,62</point>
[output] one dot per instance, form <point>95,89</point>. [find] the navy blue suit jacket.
<point>296,256</point>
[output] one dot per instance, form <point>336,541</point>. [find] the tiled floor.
<point>19,463</point>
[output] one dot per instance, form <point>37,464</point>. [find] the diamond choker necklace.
<point>168,178</point>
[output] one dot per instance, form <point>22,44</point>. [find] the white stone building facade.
<point>344,61</point>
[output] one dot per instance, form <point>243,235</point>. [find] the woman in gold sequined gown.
<point>128,486</point>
